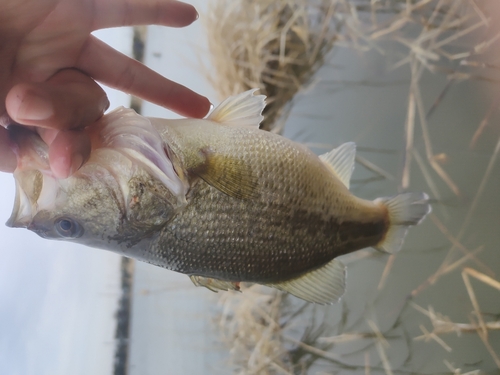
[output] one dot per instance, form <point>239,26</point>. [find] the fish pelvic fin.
<point>244,109</point>
<point>341,161</point>
<point>214,284</point>
<point>323,286</point>
<point>405,210</point>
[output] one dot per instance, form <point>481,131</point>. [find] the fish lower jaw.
<point>16,223</point>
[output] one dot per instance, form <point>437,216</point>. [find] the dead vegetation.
<point>273,45</point>
<point>278,46</point>
<point>442,325</point>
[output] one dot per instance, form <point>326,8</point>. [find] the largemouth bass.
<point>216,199</point>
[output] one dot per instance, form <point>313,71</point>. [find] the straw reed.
<point>273,45</point>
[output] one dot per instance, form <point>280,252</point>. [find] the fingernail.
<point>77,161</point>
<point>48,135</point>
<point>33,108</point>
<point>197,15</point>
<point>104,104</point>
<point>62,170</point>
<point>211,106</point>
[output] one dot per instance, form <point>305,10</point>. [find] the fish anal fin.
<point>229,174</point>
<point>341,161</point>
<point>324,285</point>
<point>244,109</point>
<point>214,284</point>
<point>404,210</point>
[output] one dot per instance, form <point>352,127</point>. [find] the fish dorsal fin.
<point>324,285</point>
<point>214,284</point>
<point>244,109</point>
<point>229,174</point>
<point>341,160</point>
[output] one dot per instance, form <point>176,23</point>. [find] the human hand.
<point>49,61</point>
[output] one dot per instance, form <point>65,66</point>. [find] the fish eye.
<point>68,228</point>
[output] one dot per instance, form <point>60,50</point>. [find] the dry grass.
<point>249,324</point>
<point>274,45</point>
<point>278,46</point>
<point>442,325</point>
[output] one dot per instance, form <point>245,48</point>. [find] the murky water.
<point>361,100</point>
<point>409,313</point>
<point>433,308</point>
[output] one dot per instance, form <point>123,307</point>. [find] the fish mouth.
<point>135,137</point>
<point>34,192</point>
<point>22,211</point>
<point>121,130</point>
<point>31,175</point>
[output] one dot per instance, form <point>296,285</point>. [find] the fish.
<point>216,199</point>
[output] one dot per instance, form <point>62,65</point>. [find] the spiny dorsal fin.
<point>214,284</point>
<point>229,174</point>
<point>341,160</point>
<point>324,285</point>
<point>244,109</point>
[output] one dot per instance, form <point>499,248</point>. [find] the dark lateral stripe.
<point>354,236</point>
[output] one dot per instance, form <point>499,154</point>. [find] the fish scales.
<point>302,218</point>
<point>258,247</point>
<point>216,199</point>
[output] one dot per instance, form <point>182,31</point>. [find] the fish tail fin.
<point>405,210</point>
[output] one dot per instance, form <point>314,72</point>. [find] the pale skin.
<point>49,65</point>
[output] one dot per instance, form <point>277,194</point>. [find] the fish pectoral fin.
<point>214,284</point>
<point>324,285</point>
<point>341,161</point>
<point>228,174</point>
<point>244,109</point>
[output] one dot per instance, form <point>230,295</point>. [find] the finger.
<point>68,151</point>
<point>8,159</point>
<point>114,69</point>
<point>115,13</point>
<point>69,99</point>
